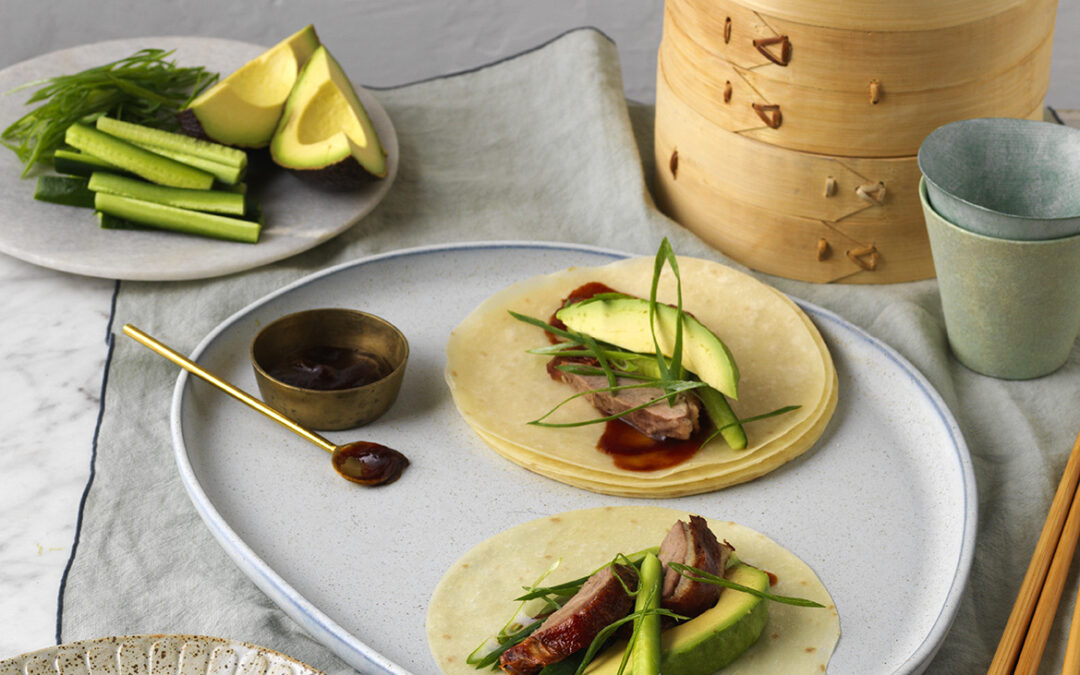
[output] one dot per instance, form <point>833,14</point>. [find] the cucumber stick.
<point>646,649</point>
<point>167,140</point>
<point>151,166</point>
<point>213,201</point>
<point>228,174</point>
<point>180,220</point>
<point>75,163</point>
<point>107,221</point>
<point>66,190</point>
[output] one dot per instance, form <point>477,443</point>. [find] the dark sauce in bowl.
<point>329,368</point>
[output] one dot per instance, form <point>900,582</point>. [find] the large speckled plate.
<point>157,654</point>
<point>298,215</point>
<point>883,508</point>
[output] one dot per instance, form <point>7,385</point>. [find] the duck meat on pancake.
<point>660,420</point>
<point>602,600</point>
<point>695,545</point>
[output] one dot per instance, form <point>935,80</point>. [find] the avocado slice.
<point>712,640</point>
<point>325,134</point>
<point>244,109</point>
<point>624,322</point>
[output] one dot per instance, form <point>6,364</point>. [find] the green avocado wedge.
<point>244,109</point>
<point>710,641</point>
<point>624,322</point>
<point>325,133</point>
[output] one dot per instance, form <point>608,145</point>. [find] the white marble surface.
<point>52,356</point>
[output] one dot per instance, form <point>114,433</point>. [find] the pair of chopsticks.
<point>1024,639</point>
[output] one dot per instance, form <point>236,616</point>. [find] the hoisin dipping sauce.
<point>629,448</point>
<point>328,368</point>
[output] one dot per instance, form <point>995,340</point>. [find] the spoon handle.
<point>190,366</point>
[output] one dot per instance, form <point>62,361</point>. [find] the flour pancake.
<point>641,484</point>
<point>499,388</point>
<point>474,598</point>
<point>676,481</point>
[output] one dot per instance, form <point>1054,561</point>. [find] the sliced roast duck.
<point>602,600</point>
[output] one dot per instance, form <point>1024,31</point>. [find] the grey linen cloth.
<point>540,146</point>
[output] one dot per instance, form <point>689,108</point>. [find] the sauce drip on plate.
<point>326,367</point>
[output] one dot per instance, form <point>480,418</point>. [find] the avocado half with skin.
<point>244,109</point>
<point>325,135</point>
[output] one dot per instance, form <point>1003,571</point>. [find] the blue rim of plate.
<point>348,647</point>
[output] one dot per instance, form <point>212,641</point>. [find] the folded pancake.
<point>498,387</point>
<point>475,597</point>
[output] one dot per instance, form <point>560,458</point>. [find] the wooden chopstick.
<point>1043,619</point>
<point>1063,508</point>
<point>1072,649</point>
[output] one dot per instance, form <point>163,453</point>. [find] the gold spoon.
<point>360,462</point>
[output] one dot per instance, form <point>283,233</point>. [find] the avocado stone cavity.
<point>624,322</point>
<point>712,640</point>
<point>244,108</point>
<point>325,134</point>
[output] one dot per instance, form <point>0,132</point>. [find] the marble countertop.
<point>53,344</point>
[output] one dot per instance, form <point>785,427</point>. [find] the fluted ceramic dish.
<point>157,654</point>
<point>298,216</point>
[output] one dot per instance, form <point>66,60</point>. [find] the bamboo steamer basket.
<point>886,121</point>
<point>871,190</point>
<point>786,130</point>
<point>806,216</point>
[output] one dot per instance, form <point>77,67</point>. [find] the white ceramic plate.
<point>298,216</point>
<point>883,508</point>
<point>158,654</point>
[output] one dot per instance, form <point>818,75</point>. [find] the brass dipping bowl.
<point>319,329</point>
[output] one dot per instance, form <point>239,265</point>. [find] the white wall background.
<point>388,42</point>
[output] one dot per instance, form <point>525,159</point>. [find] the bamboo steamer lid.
<point>878,15</point>
<point>871,122</point>
<point>835,58</point>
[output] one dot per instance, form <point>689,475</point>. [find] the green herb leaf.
<point>703,576</point>
<point>669,370</point>
<point>773,413</point>
<point>145,88</point>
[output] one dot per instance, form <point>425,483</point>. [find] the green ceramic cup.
<point>1012,307</point>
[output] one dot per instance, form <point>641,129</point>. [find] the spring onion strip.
<point>511,633</point>
<point>569,588</point>
<point>668,370</point>
<point>773,413</point>
<point>695,574</point>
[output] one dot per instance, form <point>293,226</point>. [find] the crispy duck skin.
<point>695,545</point>
<point>658,421</point>
<point>601,601</point>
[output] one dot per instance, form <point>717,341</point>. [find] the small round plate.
<point>298,216</point>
